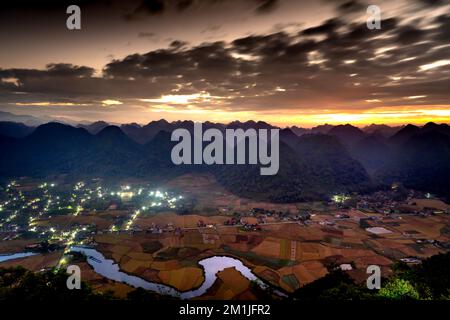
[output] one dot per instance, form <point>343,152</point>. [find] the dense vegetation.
<point>312,166</point>
<point>427,281</point>
<point>19,284</point>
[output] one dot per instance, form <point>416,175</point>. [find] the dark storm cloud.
<point>329,26</point>
<point>431,3</point>
<point>129,10</point>
<point>177,44</point>
<point>150,7</point>
<point>443,34</point>
<point>65,81</point>
<point>154,7</point>
<point>351,6</point>
<point>409,34</point>
<point>267,45</point>
<point>348,63</point>
<point>56,70</point>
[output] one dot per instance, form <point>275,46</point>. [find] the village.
<point>167,230</point>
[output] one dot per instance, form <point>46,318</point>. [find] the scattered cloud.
<point>338,65</point>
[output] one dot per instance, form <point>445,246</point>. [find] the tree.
<point>19,284</point>
<point>398,289</point>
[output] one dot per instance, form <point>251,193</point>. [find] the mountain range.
<point>314,163</point>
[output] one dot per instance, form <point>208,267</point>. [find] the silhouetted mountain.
<point>382,129</point>
<point>7,145</point>
<point>162,123</point>
<point>114,154</point>
<point>311,171</point>
<point>207,125</point>
<point>347,134</point>
<point>317,167</point>
<point>404,134</point>
<point>52,147</point>
<point>150,130</point>
<point>431,126</point>
<point>332,163</point>
<point>422,163</point>
<point>372,152</point>
<point>114,135</point>
<point>299,131</point>
<point>288,137</point>
<point>95,127</point>
<point>143,134</point>
<point>323,128</point>
<point>312,166</point>
<point>134,131</point>
<point>56,148</point>
<point>294,181</point>
<point>157,158</point>
<point>55,133</point>
<point>25,119</point>
<point>249,124</point>
<point>14,129</point>
<point>6,141</point>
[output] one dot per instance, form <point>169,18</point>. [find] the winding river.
<point>211,266</point>
<point>12,256</point>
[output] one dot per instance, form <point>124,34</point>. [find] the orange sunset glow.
<point>284,62</point>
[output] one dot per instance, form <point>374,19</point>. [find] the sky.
<point>287,62</point>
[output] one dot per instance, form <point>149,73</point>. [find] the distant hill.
<point>288,137</point>
<point>373,152</point>
<point>441,128</point>
<point>249,124</point>
<point>52,147</point>
<point>14,129</point>
<point>323,128</point>
<point>382,129</point>
<point>331,160</point>
<point>95,127</point>
<point>299,131</point>
<point>312,166</point>
<point>25,119</point>
<point>347,134</point>
<point>134,131</point>
<point>407,132</point>
<point>55,148</point>
<point>404,134</point>
<point>143,134</point>
<point>422,162</point>
<point>294,181</point>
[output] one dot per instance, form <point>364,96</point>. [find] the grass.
<point>253,258</point>
<point>151,246</point>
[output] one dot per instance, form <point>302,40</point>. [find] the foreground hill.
<point>311,167</point>
<point>330,159</point>
<point>423,163</point>
<point>347,134</point>
<point>14,129</point>
<point>373,152</point>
